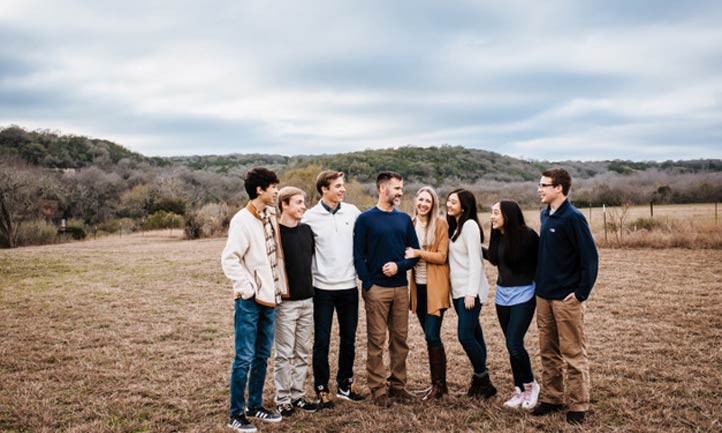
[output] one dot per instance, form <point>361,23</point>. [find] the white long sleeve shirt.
<point>333,267</point>
<point>468,277</point>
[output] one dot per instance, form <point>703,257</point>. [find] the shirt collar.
<point>563,207</point>
<point>328,209</point>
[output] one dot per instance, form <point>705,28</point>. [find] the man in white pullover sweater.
<point>253,261</point>
<point>334,285</point>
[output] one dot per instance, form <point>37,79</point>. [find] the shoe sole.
<point>307,410</point>
<point>265,419</point>
<point>251,429</point>
<point>343,397</point>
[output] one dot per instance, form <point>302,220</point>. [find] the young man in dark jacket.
<point>566,272</point>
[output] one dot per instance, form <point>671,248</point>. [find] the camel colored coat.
<point>437,272</point>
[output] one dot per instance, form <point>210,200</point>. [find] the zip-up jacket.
<point>245,261</point>
<point>568,259</point>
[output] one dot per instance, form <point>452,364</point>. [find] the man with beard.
<point>381,236</point>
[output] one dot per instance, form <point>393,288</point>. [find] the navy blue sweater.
<point>378,238</point>
<point>568,258</point>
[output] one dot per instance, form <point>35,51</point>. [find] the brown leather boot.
<point>437,362</point>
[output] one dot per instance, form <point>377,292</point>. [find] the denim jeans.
<point>515,321</point>
<point>470,335</point>
<point>345,302</point>
<point>430,324</point>
<point>254,339</point>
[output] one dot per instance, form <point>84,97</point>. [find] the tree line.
<point>99,186</point>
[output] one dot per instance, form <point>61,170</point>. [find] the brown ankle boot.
<point>437,362</point>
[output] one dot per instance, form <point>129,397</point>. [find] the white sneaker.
<point>530,395</point>
<point>516,399</point>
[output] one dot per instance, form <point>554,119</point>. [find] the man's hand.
<point>390,269</point>
<point>469,302</point>
<point>570,296</point>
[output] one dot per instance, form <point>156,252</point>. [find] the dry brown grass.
<point>135,334</point>
<point>691,226</point>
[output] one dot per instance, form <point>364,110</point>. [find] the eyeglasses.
<point>544,185</point>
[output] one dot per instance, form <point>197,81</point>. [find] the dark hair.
<point>468,212</point>
<point>514,230</point>
<point>561,177</point>
<point>325,178</point>
<point>259,176</point>
<point>386,176</point>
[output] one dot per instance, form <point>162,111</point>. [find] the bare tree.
<point>21,191</point>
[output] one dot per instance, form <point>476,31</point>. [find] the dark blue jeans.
<point>345,302</point>
<point>430,324</point>
<point>470,335</point>
<point>515,321</point>
<point>254,339</point>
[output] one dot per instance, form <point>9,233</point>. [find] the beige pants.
<point>562,342</point>
<point>387,309</point>
<point>292,340</point>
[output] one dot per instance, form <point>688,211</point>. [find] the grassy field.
<point>690,226</point>
<point>135,334</point>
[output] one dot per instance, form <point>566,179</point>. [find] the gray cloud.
<point>551,80</point>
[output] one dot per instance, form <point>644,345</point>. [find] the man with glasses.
<point>566,272</point>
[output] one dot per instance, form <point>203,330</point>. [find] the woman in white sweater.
<point>469,288</point>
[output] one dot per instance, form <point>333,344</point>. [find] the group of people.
<point>291,268</point>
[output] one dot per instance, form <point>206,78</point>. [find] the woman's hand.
<point>411,253</point>
<point>469,302</point>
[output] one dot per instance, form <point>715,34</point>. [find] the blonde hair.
<point>285,194</point>
<point>433,215</point>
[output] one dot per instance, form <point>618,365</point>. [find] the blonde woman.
<point>429,283</point>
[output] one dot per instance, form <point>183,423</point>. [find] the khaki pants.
<point>562,341</point>
<point>294,323</point>
<point>387,308</point>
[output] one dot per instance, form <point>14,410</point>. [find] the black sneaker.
<point>546,409</point>
<point>575,417</point>
<point>239,422</point>
<point>324,400</point>
<point>348,391</point>
<point>305,405</point>
<point>285,409</point>
<point>262,414</point>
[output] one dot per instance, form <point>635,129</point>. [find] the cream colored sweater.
<point>468,277</point>
<point>245,261</point>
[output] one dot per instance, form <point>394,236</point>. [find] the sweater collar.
<point>560,210</point>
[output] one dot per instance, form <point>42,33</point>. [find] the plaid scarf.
<point>271,246</point>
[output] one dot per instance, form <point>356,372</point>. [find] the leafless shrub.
<point>37,232</point>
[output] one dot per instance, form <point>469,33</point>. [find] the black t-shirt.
<point>298,250</point>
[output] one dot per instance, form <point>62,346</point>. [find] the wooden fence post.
<point>651,209</point>
<point>590,212</point>
<point>604,212</point>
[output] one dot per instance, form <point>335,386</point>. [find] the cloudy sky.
<point>546,79</point>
